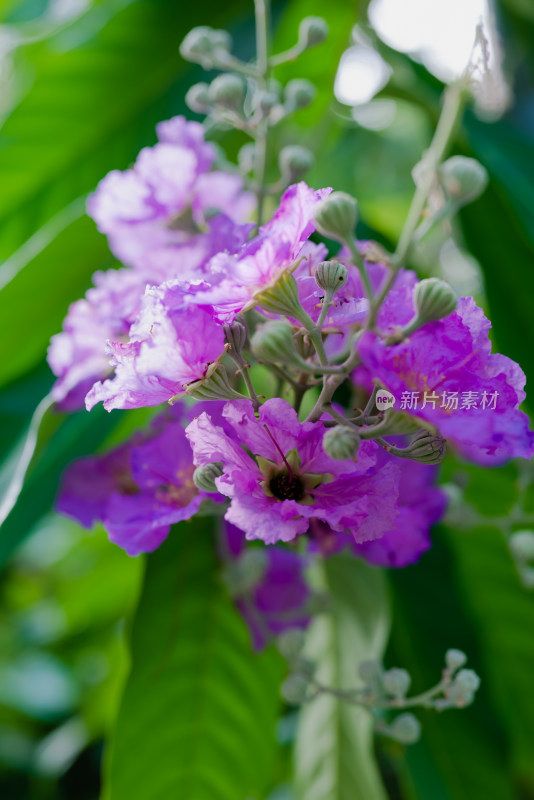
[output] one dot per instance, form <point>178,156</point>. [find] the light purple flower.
<point>232,279</point>
<point>137,490</point>
<point>279,600</point>
<point>167,196</point>
<point>171,345</point>
<point>283,478</point>
<point>450,356</point>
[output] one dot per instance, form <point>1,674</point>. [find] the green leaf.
<point>198,713</point>
<point>334,750</point>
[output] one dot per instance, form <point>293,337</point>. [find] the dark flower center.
<point>286,487</point>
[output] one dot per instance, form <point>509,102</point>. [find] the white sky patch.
<point>440,33</point>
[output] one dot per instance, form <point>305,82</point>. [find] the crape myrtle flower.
<point>278,477</point>
<point>79,355</point>
<point>232,279</point>
<point>279,595</point>
<point>137,490</point>
<point>451,355</point>
<point>420,505</point>
<point>172,344</point>
<point>168,195</point>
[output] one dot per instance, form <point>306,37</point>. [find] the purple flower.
<point>172,344</point>
<point>278,476</point>
<point>278,601</point>
<point>452,360</point>
<point>233,279</point>
<point>137,490</point>
<point>167,196</point>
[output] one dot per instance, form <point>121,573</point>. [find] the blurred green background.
<point>82,85</point>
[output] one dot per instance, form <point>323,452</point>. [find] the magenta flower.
<point>278,476</point>
<point>171,345</point>
<point>137,490</point>
<point>279,599</point>
<point>168,195</point>
<point>472,395</point>
<point>233,279</point>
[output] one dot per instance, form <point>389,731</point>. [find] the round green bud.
<point>266,101</point>
<point>235,334</point>
<point>467,680</point>
<point>454,659</point>
<point>206,46</point>
<point>273,341</point>
<point>295,689</point>
<point>341,443</point>
<point>204,477</point>
<point>405,728</point>
<point>463,179</point>
<point>228,91</point>
<point>522,545</point>
<point>396,682</point>
<point>433,300</point>
<point>331,275</point>
<point>336,216</point>
<point>299,93</point>
<point>290,643</point>
<point>312,31</point>
<point>426,447</point>
<point>294,162</point>
<point>197,98</point>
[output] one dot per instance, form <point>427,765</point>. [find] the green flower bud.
<point>197,98</point>
<point>433,300</point>
<point>341,443</point>
<point>522,545</point>
<point>396,682</point>
<point>274,342</point>
<point>462,692</point>
<point>405,729</point>
<point>294,162</point>
<point>312,31</point>
<point>425,447</point>
<point>228,91</point>
<point>336,216</point>
<point>266,101</point>
<point>236,336</point>
<point>299,93</point>
<point>467,680</point>
<point>204,477</point>
<point>295,689</point>
<point>454,659</point>
<point>290,643</point>
<point>281,297</point>
<point>331,275</point>
<point>464,179</point>
<point>206,46</point>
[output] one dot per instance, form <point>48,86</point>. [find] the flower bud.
<point>522,545</point>
<point>290,643</point>
<point>206,46</point>
<point>299,93</point>
<point>331,275</point>
<point>433,300</point>
<point>464,179</point>
<point>396,682</point>
<point>228,91</point>
<point>312,31</point>
<point>462,691</point>
<point>467,680</point>
<point>405,728</point>
<point>197,98</point>
<point>425,447</point>
<point>281,297</point>
<point>341,443</point>
<point>266,101</point>
<point>454,659</point>
<point>236,336</point>
<point>273,342</point>
<point>295,689</point>
<point>336,216</point>
<point>294,162</point>
<point>204,477</point>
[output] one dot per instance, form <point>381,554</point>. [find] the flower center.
<point>287,487</point>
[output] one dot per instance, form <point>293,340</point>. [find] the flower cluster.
<point>203,290</point>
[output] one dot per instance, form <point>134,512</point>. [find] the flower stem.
<point>262,63</point>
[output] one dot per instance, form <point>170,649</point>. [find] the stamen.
<point>284,459</point>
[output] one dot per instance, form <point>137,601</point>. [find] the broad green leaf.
<point>198,713</point>
<point>334,748</point>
